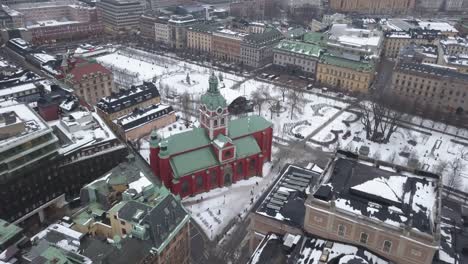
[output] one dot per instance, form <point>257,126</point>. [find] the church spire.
<point>213,84</point>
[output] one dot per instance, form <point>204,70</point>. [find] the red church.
<point>219,153</point>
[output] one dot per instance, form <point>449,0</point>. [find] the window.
<point>228,154</point>
<point>200,182</point>
<point>124,232</point>
<point>416,252</point>
<point>341,230</point>
<point>387,246</point>
<point>318,219</point>
<point>364,238</point>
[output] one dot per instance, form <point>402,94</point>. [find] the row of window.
<point>386,245</point>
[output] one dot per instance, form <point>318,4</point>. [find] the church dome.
<point>213,99</point>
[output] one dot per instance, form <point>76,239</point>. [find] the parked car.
<point>299,136</point>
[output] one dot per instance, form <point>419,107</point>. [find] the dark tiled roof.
<point>285,202</point>
<point>129,210</point>
<point>128,98</point>
<point>436,71</point>
<point>348,174</point>
<point>271,35</point>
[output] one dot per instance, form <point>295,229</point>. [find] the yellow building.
<point>200,37</point>
<point>355,76</point>
<point>395,41</point>
<point>373,6</point>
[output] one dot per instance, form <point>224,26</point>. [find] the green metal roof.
<point>247,125</point>
<point>195,138</point>
<point>221,140</point>
<point>213,99</point>
<point>246,146</point>
<point>57,255</point>
<point>193,161</point>
<point>363,66</point>
<point>315,38</point>
<point>302,48</point>
<point>8,231</point>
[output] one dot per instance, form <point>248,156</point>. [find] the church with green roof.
<point>218,153</point>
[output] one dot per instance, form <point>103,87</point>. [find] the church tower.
<point>214,115</point>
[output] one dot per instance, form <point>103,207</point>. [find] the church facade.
<point>218,153</point>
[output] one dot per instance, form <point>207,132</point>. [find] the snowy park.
<point>316,117</point>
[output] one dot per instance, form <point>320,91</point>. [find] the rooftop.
<point>392,195</point>
<point>302,249</point>
<point>128,98</point>
<point>436,71</point>
<point>7,232</point>
<point>141,116</point>
<point>362,66</point>
<point>285,201</point>
<point>85,69</point>
<point>301,48</point>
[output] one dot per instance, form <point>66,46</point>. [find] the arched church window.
<point>185,187</point>
<point>215,122</point>
<point>222,121</point>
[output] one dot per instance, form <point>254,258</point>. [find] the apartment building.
<point>421,53</point>
<point>297,56</point>
<point>200,38</point>
<point>363,202</point>
<point>395,41</point>
<point>252,9</point>
<point>155,27</point>
<point>431,86</point>
<point>373,6</point>
<point>342,73</point>
<point>257,48</point>
<point>125,101</point>
<point>226,45</point>
<point>178,26</point>
<point>90,80</point>
<point>138,211</point>
<point>48,163</point>
<point>453,46</point>
<point>120,15</point>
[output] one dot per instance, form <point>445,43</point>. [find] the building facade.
<point>372,6</point>
<point>252,9</point>
<point>297,56</point>
<point>396,229</point>
<point>349,75</point>
<point>142,121</point>
<point>257,48</point>
<point>45,169</point>
<point>431,87</point>
<point>226,45</point>
<point>395,41</point>
<point>120,15</point>
<point>178,26</point>
<point>219,153</point>
<point>90,80</point>
<point>200,38</point>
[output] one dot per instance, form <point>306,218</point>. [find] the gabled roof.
<point>193,139</point>
<point>221,141</point>
<point>87,68</point>
<point>193,161</point>
<point>246,146</point>
<point>247,125</point>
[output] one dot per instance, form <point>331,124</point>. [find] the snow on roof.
<point>395,198</point>
<point>51,23</point>
<point>85,130</point>
<point>292,181</point>
<point>34,124</point>
<point>441,26</point>
<point>43,57</point>
<point>22,88</point>
<point>140,184</point>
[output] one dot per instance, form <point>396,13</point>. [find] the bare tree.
<point>440,167</point>
<point>185,105</point>
<point>379,120</point>
<point>167,89</point>
<point>283,90</point>
<point>454,178</point>
<point>260,96</point>
<point>296,100</point>
<point>188,78</point>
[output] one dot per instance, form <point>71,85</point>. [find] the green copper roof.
<point>363,66</point>
<point>302,48</point>
<point>247,125</point>
<point>315,38</point>
<point>8,231</point>
<point>193,161</point>
<point>192,139</point>
<point>57,255</point>
<point>246,146</point>
<point>155,138</point>
<point>213,99</point>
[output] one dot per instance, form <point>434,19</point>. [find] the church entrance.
<point>228,176</point>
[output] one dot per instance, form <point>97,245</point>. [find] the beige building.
<point>353,76</point>
<point>368,206</point>
<point>373,6</point>
<point>395,41</point>
<point>297,56</point>
<point>125,102</point>
<point>226,45</point>
<point>431,86</point>
<point>90,80</point>
<point>200,38</point>
<point>142,121</point>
